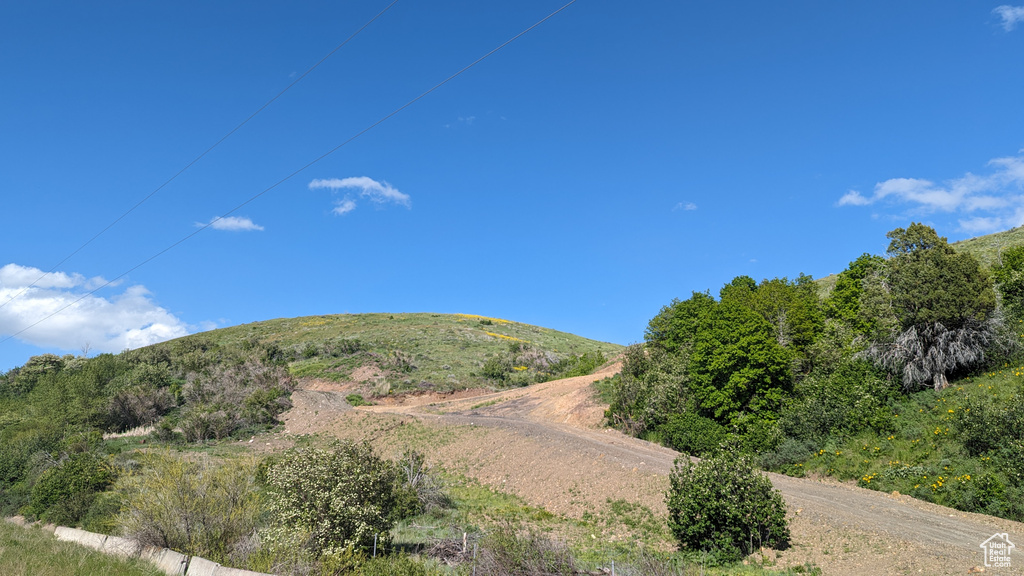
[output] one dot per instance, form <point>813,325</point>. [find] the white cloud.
<point>231,224</point>
<point>684,206</point>
<point>344,206</point>
<point>14,276</point>
<point>1011,15</point>
<point>989,202</point>
<point>379,193</point>
<point>127,320</point>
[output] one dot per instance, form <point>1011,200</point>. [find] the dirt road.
<point>545,443</point>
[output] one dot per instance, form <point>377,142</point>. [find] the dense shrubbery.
<point>49,405</point>
<point>193,505</point>
<point>725,506</point>
<point>809,382</point>
<point>65,493</point>
<point>522,364</point>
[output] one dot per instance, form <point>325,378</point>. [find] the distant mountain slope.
<point>416,351</point>
<point>987,248</point>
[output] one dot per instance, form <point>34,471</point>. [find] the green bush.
<point>64,493</point>
<point>852,398</point>
<point>723,505</point>
<point>327,501</point>
<point>577,365</point>
<point>691,433</point>
<point>506,552</point>
<point>417,488</point>
<point>194,506</point>
<point>356,400</point>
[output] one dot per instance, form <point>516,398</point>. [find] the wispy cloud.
<point>342,207</point>
<point>987,203</point>
<point>231,224</point>
<point>130,319</point>
<point>1011,15</point>
<point>684,206</point>
<point>380,193</point>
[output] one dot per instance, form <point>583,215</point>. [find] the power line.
<point>201,156</point>
<point>296,172</point>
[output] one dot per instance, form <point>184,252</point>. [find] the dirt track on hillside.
<point>545,444</point>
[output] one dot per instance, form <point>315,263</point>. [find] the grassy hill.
<point>985,248</point>
<point>399,352</point>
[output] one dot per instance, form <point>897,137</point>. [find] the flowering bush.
<point>329,501</point>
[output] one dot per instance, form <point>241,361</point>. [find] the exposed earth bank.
<point>546,444</point>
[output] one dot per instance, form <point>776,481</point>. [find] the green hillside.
<point>988,248</point>
<point>985,248</point>
<point>415,351</point>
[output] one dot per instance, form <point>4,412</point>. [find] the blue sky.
<point>616,156</point>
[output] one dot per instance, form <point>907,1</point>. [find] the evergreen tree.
<point>943,301</point>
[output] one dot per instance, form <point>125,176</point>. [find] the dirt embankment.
<point>545,443</point>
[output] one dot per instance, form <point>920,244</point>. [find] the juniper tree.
<point>944,303</point>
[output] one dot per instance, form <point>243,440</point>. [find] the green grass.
<point>924,454</point>
<point>435,351</point>
<point>34,552</point>
<point>987,248</point>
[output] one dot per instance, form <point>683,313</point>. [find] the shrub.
<point>193,506</point>
<point>64,493</point>
<point>504,552</point>
<point>417,488</point>
<point>725,506</point>
<point>137,406</point>
<point>574,365</point>
<point>327,501</point>
<point>789,452</point>
<point>691,433</point>
<point>357,400</point>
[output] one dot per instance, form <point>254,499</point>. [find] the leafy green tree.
<point>722,360</point>
<point>931,282</point>
<point>844,303</point>
<point>792,308</point>
<point>737,365</point>
<point>1009,278</point>
<point>676,325</point>
<point>943,301</point>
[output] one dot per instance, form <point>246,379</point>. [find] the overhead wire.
<point>201,156</point>
<point>296,172</point>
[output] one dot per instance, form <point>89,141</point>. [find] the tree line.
<point>780,368</point>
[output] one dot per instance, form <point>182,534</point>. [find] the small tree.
<point>724,505</point>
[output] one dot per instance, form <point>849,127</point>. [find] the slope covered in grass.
<point>988,248</point>
<point>417,351</point>
<point>959,447</point>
